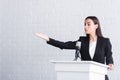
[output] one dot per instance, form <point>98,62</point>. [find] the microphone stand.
<point>77,54</point>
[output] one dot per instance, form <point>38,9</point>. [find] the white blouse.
<point>92,47</point>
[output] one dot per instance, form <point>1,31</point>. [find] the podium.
<point>80,70</point>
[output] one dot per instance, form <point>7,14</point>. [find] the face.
<point>90,27</point>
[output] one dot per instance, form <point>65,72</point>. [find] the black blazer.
<point>103,53</point>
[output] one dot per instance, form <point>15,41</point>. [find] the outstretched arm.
<point>56,43</point>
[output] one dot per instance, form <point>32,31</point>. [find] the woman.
<point>93,46</point>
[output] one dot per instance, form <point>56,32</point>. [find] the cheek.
<point>89,29</point>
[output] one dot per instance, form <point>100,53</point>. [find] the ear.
<point>96,26</point>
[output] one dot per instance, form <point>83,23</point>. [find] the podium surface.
<point>80,70</point>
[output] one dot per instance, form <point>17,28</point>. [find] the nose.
<point>85,26</point>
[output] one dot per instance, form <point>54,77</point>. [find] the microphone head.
<point>78,44</point>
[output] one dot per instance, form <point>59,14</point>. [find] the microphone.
<point>77,52</point>
<point>78,45</point>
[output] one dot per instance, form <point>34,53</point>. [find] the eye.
<point>88,24</point>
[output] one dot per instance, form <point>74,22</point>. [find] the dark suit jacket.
<point>102,54</point>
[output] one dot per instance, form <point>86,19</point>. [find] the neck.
<point>93,37</point>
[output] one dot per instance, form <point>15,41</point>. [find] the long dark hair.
<point>96,21</point>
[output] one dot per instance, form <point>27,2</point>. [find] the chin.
<point>87,32</point>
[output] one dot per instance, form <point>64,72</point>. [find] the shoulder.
<point>104,39</point>
<point>83,38</point>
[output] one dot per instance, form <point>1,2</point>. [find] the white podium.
<point>80,70</point>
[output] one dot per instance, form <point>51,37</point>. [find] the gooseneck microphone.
<point>77,52</point>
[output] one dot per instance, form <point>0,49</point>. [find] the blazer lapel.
<point>87,48</point>
<point>96,49</point>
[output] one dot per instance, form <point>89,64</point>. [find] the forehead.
<point>88,21</point>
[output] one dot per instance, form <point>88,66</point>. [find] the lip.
<point>86,30</point>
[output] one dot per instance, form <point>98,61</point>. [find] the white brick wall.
<point>23,56</point>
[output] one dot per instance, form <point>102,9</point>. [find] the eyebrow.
<point>87,22</point>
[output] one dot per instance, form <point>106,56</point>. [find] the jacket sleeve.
<point>108,53</point>
<point>62,45</point>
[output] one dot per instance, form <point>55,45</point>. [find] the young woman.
<point>93,46</point>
